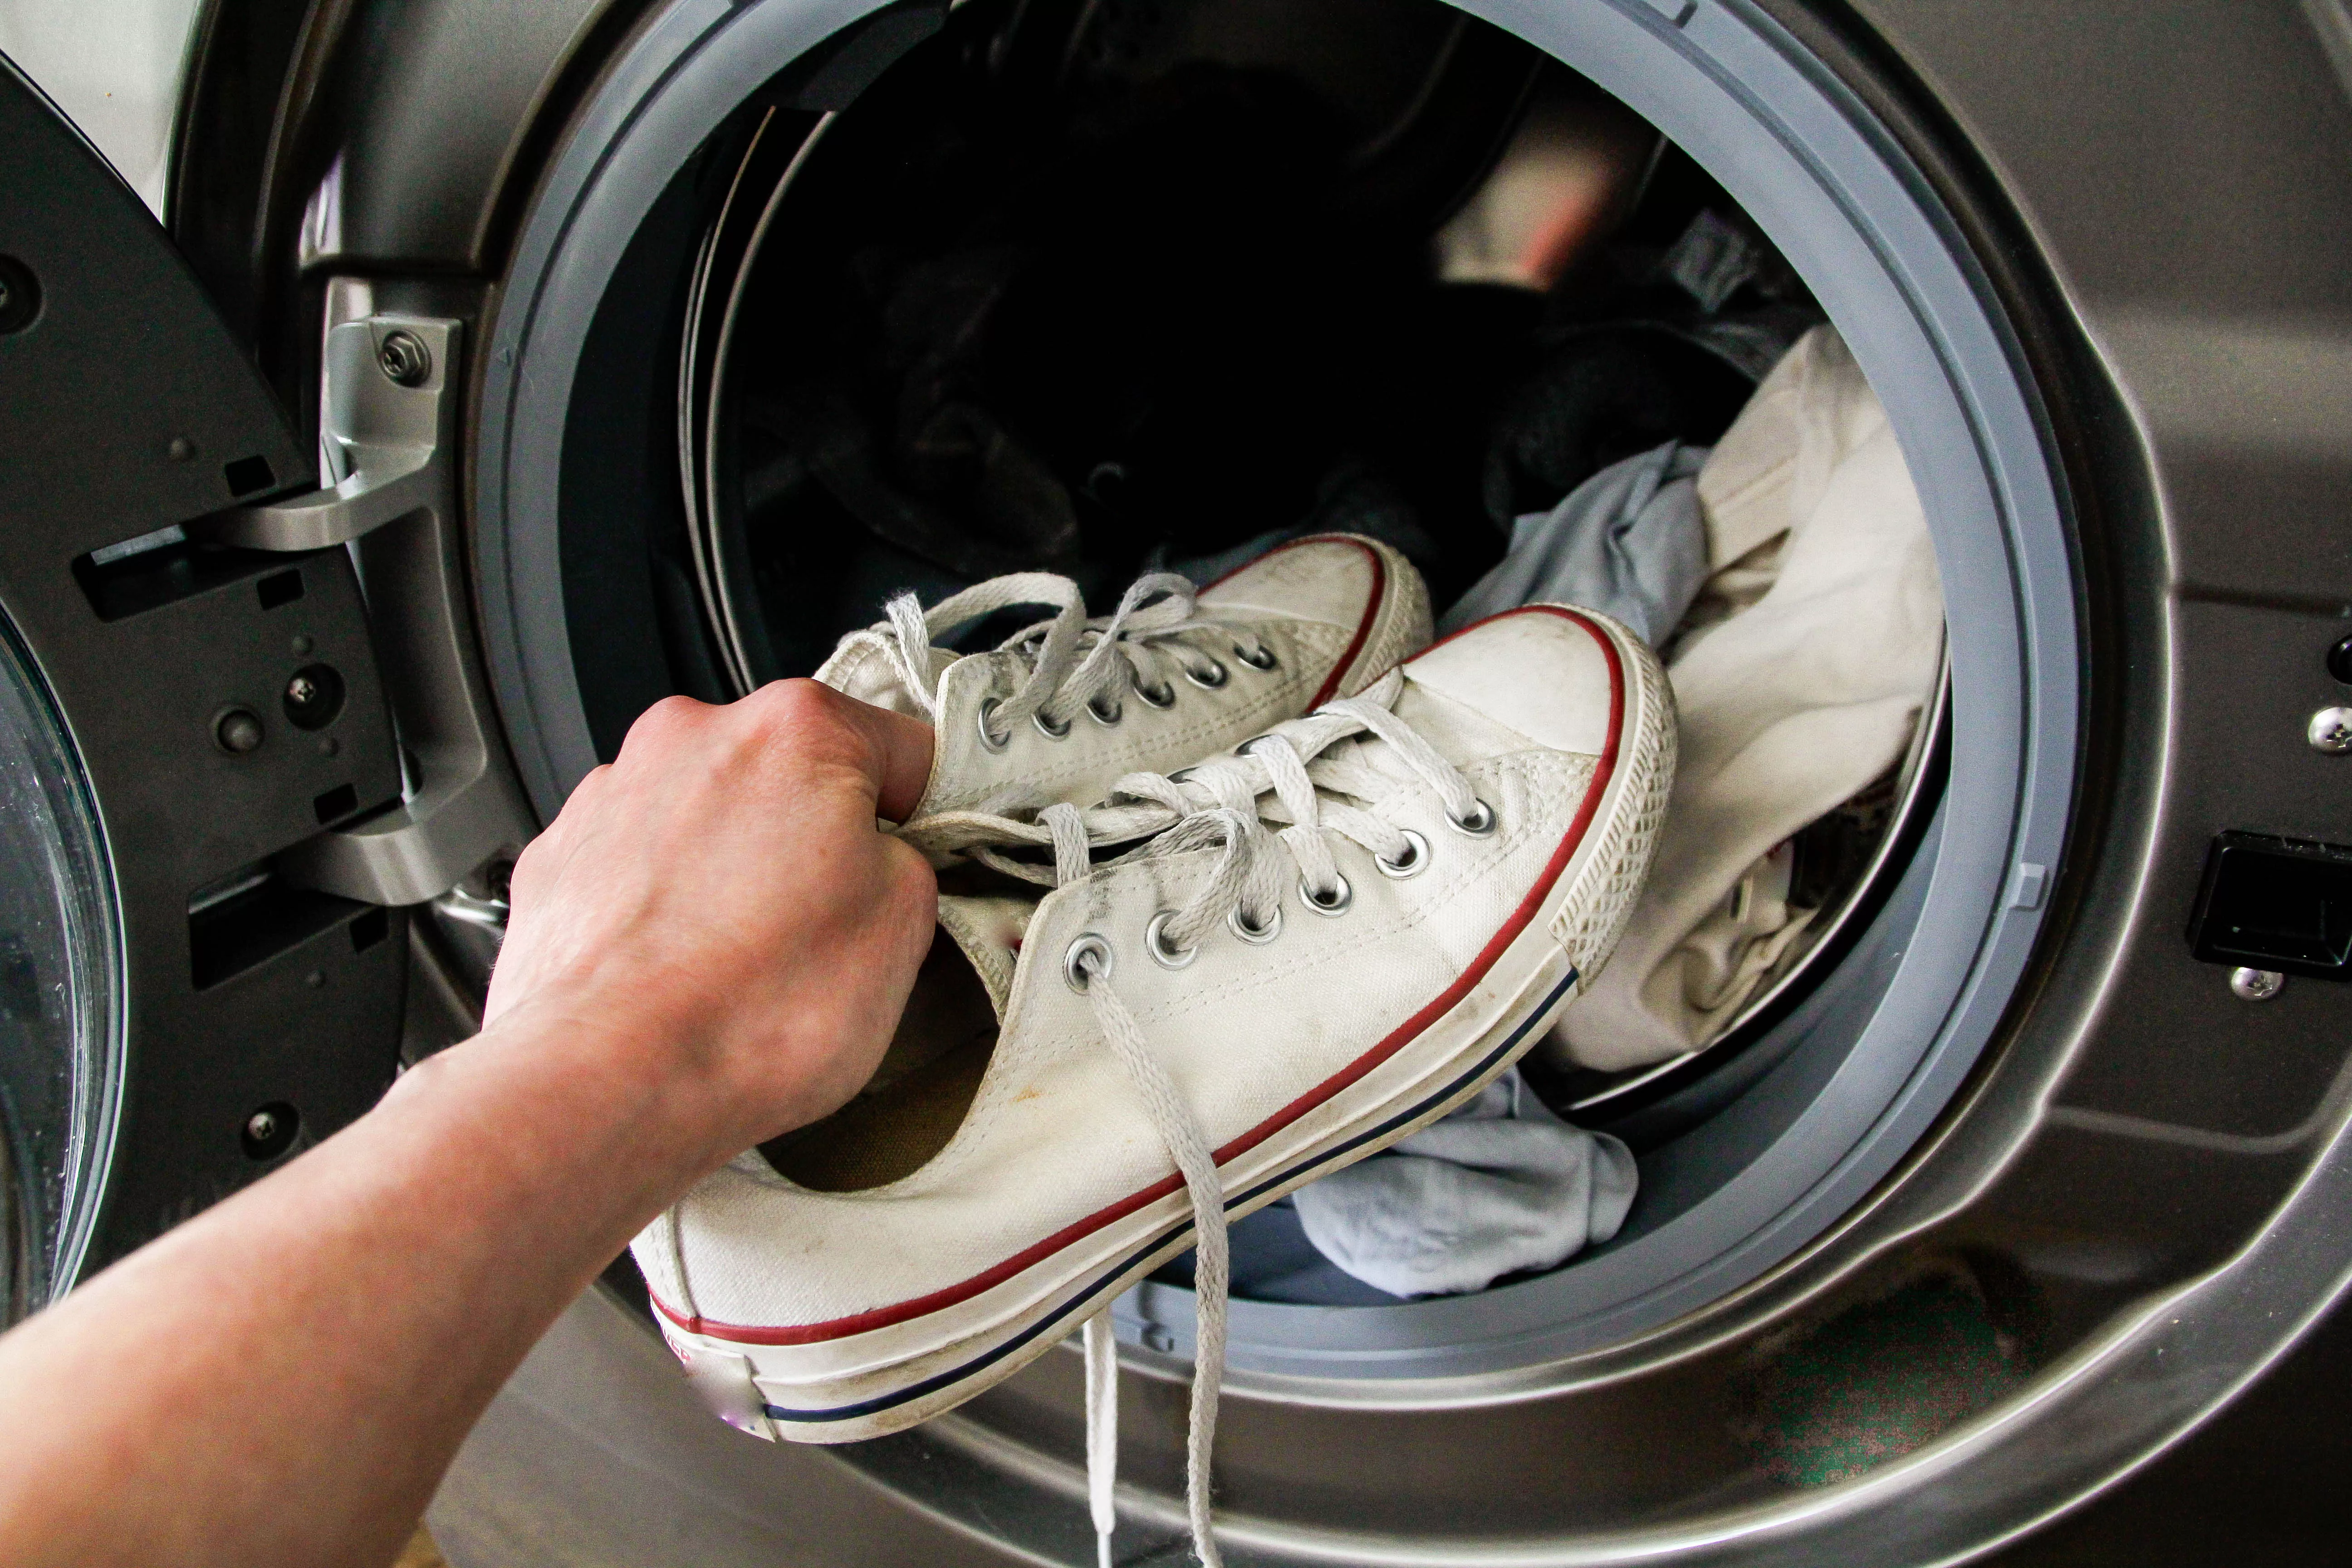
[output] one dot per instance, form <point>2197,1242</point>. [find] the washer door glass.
<point>60,992</point>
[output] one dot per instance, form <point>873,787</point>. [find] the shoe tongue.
<point>988,929</point>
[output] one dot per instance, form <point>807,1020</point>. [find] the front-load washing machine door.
<point>210,825</point>
<point>2030,1142</point>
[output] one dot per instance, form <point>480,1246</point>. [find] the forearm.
<point>284,1379</point>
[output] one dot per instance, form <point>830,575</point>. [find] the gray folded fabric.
<point>1499,1186</point>
<point>1629,541</point>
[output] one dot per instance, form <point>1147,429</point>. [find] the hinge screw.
<point>405,358</point>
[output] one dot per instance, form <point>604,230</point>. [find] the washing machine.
<point>354,508</point>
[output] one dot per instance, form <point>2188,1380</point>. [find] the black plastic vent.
<point>278,588</point>
<point>249,476</point>
<point>2282,904</point>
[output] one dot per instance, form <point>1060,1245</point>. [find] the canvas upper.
<point>1064,707</point>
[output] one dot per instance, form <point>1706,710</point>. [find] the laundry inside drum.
<point>1102,289</point>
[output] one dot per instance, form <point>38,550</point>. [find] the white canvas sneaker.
<point>1064,708</point>
<point>1318,945</point>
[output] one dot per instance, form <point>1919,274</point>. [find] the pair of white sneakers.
<point>1333,880</point>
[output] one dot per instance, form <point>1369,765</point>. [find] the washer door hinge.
<point>391,395</point>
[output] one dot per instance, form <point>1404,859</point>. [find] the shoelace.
<point>1074,663</point>
<point>1315,770</point>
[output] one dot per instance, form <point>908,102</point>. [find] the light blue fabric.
<point>1629,541</point>
<point>1501,1185</point>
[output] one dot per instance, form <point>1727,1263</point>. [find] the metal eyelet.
<point>1341,897</point>
<point>1415,861</point>
<point>1260,658</point>
<point>1046,726</point>
<point>991,742</point>
<point>1244,748</point>
<point>1155,938</point>
<point>1163,698</point>
<point>1477,825</point>
<point>1215,676</point>
<point>1117,711</point>
<point>1089,944</point>
<point>1180,774</point>
<point>1257,936</point>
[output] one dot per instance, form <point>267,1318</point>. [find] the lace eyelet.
<point>1046,726</point>
<point>1090,944</point>
<point>1415,861</point>
<point>1180,774</point>
<point>1117,711</point>
<point>1155,939</point>
<point>1210,679</point>
<point>1164,696</point>
<point>1257,936</point>
<point>988,741</point>
<point>1260,658</point>
<point>1477,825</point>
<point>1341,897</point>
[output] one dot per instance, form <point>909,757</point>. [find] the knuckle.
<point>667,719</point>
<point>798,701</point>
<point>811,717</point>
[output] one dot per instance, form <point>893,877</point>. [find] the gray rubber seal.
<point>1871,1059</point>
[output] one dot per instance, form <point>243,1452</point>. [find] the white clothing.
<point>1800,675</point>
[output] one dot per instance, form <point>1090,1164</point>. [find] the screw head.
<point>2256,984</point>
<point>2330,731</point>
<point>313,696</point>
<point>405,358</point>
<point>238,731</point>
<point>302,643</point>
<point>271,1131</point>
<point>20,296</point>
<point>180,449</point>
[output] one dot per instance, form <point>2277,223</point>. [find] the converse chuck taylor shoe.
<point>1308,948</point>
<point>1062,709</point>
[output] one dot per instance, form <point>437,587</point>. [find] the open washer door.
<point>216,809</point>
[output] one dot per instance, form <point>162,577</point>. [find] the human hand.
<point>717,911</point>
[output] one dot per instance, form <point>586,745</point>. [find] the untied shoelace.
<point>1315,769</point>
<point>1074,662</point>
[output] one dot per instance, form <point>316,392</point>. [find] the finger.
<point>904,745</point>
